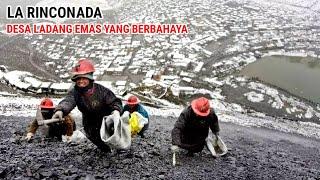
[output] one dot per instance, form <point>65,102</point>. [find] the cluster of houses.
<point>28,83</point>
<point>250,27</point>
<point>174,58</point>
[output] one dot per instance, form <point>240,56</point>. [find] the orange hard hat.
<point>133,100</point>
<point>84,66</point>
<point>46,103</point>
<point>201,106</point>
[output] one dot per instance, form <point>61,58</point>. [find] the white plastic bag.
<point>216,146</point>
<point>120,138</point>
<point>76,137</point>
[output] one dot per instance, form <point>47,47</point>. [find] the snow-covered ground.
<point>13,105</point>
<point>290,4</point>
<point>102,4</point>
<point>276,99</point>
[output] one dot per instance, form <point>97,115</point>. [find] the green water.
<point>298,75</point>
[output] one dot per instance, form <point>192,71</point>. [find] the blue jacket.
<point>139,108</point>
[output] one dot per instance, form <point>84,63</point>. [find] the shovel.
<point>174,159</point>
<point>48,121</point>
<point>174,149</point>
<point>42,121</point>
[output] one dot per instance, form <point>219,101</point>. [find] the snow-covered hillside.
<point>313,5</point>
<point>12,105</point>
<point>102,4</point>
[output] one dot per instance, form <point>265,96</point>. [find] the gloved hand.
<point>115,114</point>
<point>29,136</point>
<point>142,119</point>
<point>125,117</point>
<point>174,148</point>
<point>68,138</point>
<point>216,134</point>
<point>58,115</point>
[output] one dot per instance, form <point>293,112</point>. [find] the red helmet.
<point>84,66</point>
<point>133,100</point>
<point>46,103</point>
<point>201,106</point>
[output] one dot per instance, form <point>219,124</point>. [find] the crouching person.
<point>93,100</point>
<point>133,106</point>
<point>56,129</point>
<point>192,127</point>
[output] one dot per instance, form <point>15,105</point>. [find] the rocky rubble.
<point>255,153</point>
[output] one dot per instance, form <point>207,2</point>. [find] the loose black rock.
<point>257,153</point>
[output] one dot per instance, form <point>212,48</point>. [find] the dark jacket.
<point>94,104</point>
<point>190,131</point>
<point>65,127</point>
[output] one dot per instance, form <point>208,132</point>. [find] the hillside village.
<point>222,40</point>
<point>269,131</point>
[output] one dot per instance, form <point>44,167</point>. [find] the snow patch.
<point>309,113</point>
<point>304,128</point>
<point>26,107</point>
<point>254,97</point>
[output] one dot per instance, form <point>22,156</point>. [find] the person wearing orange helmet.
<point>192,127</point>
<point>57,129</point>
<point>133,105</point>
<point>93,100</point>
